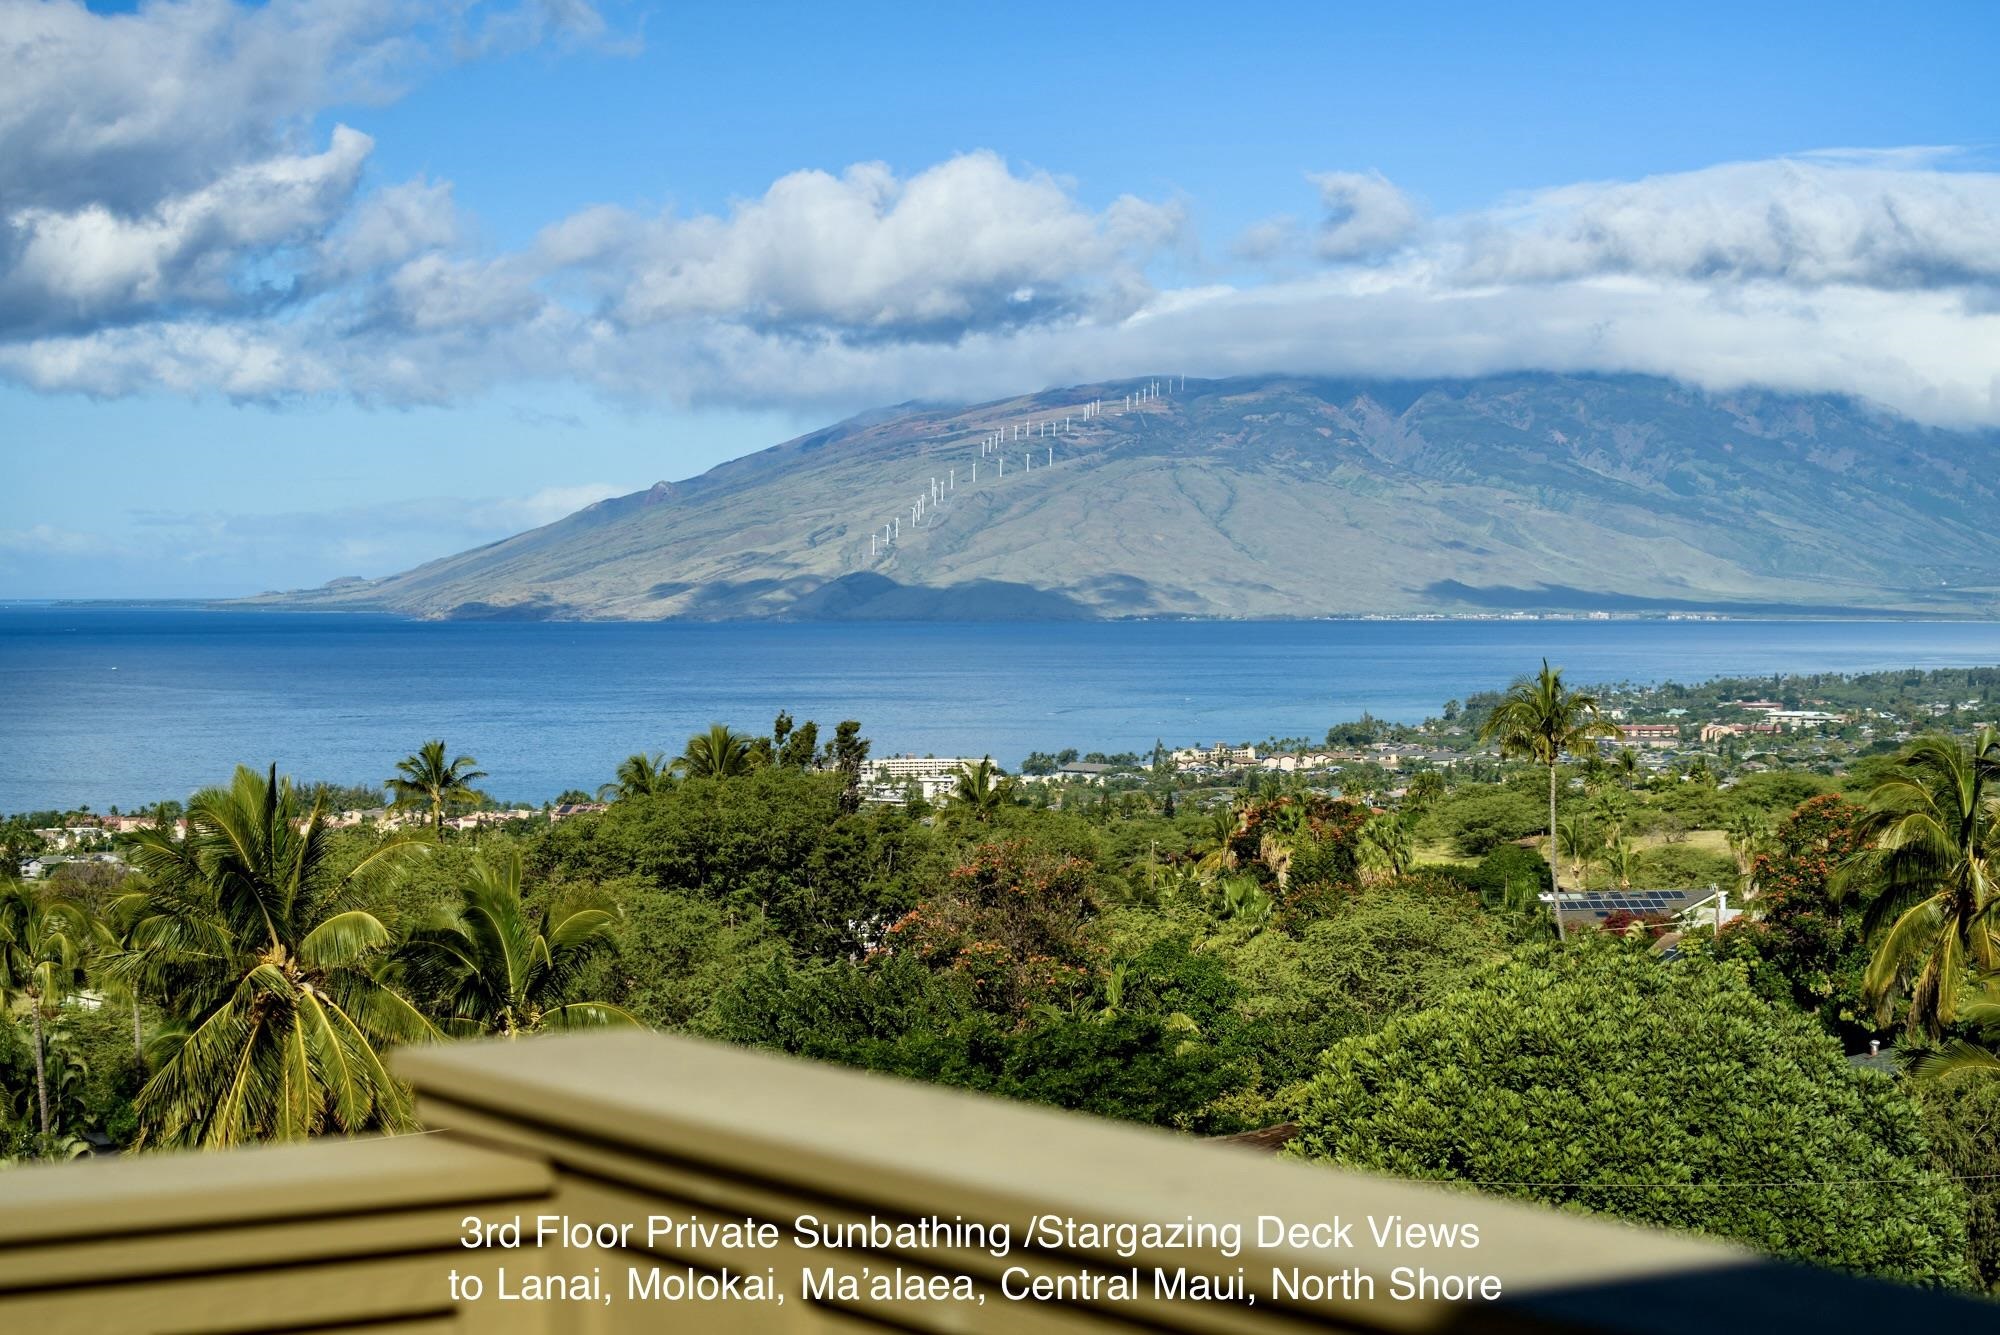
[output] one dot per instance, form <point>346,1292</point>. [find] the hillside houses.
<point>1388,755</point>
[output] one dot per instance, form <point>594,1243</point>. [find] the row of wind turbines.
<point>993,449</point>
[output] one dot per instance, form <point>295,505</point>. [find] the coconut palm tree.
<point>264,952</point>
<point>641,774</point>
<point>44,942</point>
<point>980,791</point>
<point>493,966</point>
<point>1962,1056</point>
<point>1934,849</point>
<point>1542,720</point>
<point>1626,762</point>
<point>427,779</point>
<point>719,753</point>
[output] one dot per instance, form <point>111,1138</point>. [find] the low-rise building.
<point>1085,770</point>
<point>1220,756</point>
<point>1649,734</point>
<point>1715,732</point>
<point>1791,720</point>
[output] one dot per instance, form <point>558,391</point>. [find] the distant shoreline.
<point>237,606</point>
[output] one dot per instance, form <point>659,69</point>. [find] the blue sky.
<point>302,290</point>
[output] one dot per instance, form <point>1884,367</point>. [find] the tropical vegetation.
<point>1207,955</point>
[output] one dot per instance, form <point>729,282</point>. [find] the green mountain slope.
<point>1280,496</point>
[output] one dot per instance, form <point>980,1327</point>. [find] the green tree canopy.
<point>777,844</point>
<point>1604,1079</point>
<point>979,791</point>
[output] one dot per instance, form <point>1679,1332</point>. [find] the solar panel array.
<point>1644,903</point>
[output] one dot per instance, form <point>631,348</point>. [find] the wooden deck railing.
<point>630,1134</point>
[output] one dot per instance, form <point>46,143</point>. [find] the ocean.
<point>127,705</point>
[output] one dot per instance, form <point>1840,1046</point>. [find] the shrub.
<point>1507,866</point>
<point>1483,819</point>
<point>1602,1079</point>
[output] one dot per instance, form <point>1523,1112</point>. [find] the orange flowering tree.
<point>1012,920</point>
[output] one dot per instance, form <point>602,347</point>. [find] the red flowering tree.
<point>1802,944</point>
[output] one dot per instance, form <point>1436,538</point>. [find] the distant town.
<point>1715,732</point>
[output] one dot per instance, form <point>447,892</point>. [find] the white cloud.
<point>90,264</point>
<point>1365,215</point>
<point>1821,221</point>
<point>165,222</point>
<point>963,244</point>
<point>157,164</point>
<point>387,227</point>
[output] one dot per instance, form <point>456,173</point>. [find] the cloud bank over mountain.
<point>175,214</point>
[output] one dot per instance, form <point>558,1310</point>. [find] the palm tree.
<point>1385,840</point>
<point>1746,832</point>
<point>1962,1056</point>
<point>1424,791</point>
<point>44,941</point>
<point>1240,899</point>
<point>1627,764</point>
<point>264,951</point>
<point>428,779</point>
<point>494,967</point>
<point>1935,852</point>
<point>719,753</point>
<point>1621,859</point>
<point>1216,832</point>
<point>1542,720</point>
<point>641,774</point>
<point>980,790</point>
<point>1578,836</point>
<point>116,929</point>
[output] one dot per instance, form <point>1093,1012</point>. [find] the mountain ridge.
<point>1276,497</point>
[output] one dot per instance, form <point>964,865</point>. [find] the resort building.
<point>1220,756</point>
<point>917,767</point>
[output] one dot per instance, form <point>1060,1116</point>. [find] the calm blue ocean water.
<point>128,705</point>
